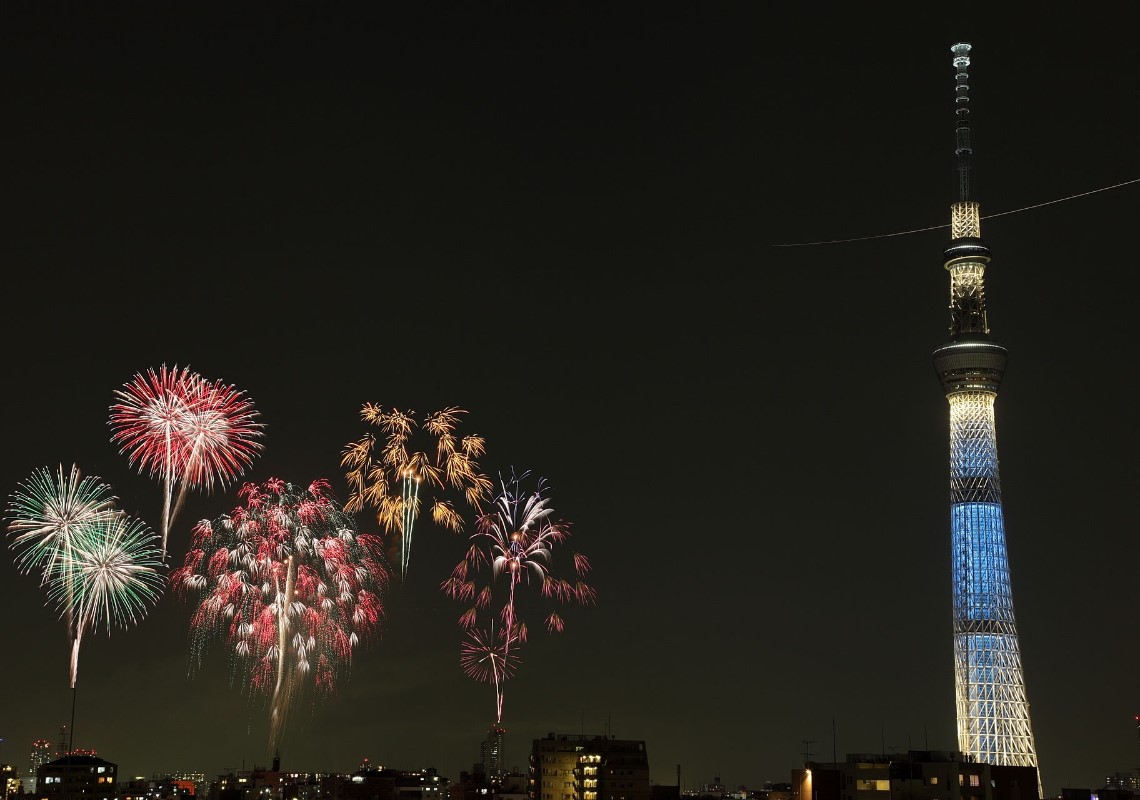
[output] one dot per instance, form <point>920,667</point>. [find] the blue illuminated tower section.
<point>989,685</point>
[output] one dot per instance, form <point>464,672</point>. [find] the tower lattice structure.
<point>989,682</point>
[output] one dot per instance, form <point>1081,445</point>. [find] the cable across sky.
<point>947,225</point>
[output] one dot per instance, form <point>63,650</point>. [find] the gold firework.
<point>388,470</point>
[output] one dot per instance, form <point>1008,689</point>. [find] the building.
<point>9,781</point>
<point>493,757</point>
<point>254,784</point>
<point>572,767</point>
<point>989,685</point>
<point>387,784</point>
<point>41,754</point>
<point>475,785</point>
<point>171,786</point>
<point>917,775</point>
<point>776,791</point>
<point>77,776</point>
<point>1124,781</point>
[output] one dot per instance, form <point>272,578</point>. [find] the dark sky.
<point>562,218</point>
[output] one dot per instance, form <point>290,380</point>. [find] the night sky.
<point>563,218</point>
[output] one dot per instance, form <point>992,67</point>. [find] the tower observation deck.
<point>989,683</point>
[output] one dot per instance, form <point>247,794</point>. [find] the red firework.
<point>184,430</point>
<point>514,544</point>
<point>220,436</point>
<point>288,582</point>
<point>487,657</point>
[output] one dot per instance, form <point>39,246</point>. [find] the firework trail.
<point>487,658</point>
<point>290,584</point>
<point>189,432</point>
<point>388,475</point>
<point>514,542</point>
<point>96,562</point>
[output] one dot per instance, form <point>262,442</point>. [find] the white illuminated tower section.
<point>989,685</point>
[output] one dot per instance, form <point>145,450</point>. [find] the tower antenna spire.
<point>967,255</point>
<point>962,147</point>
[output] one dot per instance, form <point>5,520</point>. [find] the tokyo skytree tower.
<point>989,685</point>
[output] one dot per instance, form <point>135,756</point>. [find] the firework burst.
<point>49,510</point>
<point>290,584</point>
<point>112,575</point>
<point>487,657</point>
<point>97,563</point>
<point>513,544</point>
<point>186,431</point>
<point>389,474</point>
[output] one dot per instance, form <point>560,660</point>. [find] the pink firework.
<point>487,657</point>
<point>512,547</point>
<point>220,436</point>
<point>292,587</point>
<point>184,430</point>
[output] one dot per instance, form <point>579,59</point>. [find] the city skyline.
<point>571,223</point>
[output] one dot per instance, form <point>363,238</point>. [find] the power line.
<point>947,225</point>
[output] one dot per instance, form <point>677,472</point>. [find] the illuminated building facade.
<point>9,781</point>
<point>492,747</point>
<point>41,754</point>
<point>474,785</point>
<point>571,767</point>
<point>177,786</point>
<point>75,776</point>
<point>993,712</point>
<point>386,784</point>
<point>917,775</point>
